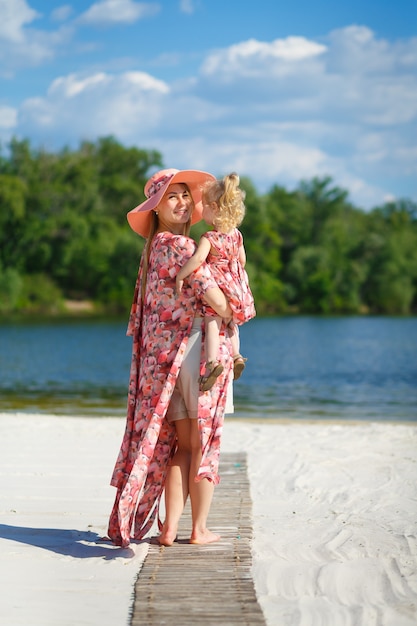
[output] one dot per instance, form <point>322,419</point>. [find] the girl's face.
<point>209,210</point>
<point>175,208</point>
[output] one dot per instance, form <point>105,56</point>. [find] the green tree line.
<point>64,238</point>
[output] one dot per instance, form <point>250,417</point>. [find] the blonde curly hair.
<point>229,199</point>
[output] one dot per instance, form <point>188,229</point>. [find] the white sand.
<point>334,507</point>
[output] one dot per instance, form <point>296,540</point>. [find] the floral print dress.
<point>160,326</point>
<point>229,273</point>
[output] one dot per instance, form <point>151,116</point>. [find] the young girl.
<point>223,249</point>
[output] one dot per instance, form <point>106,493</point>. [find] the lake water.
<point>360,368</point>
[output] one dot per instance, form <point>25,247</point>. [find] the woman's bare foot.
<point>167,537</point>
<point>206,536</point>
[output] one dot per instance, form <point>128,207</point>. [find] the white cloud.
<point>125,105</point>
<point>260,60</point>
<point>8,117</point>
<point>118,11</point>
<point>71,86</point>
<point>187,6</point>
<point>236,57</point>
<point>357,48</point>
<point>14,14</point>
<point>22,45</point>
<point>62,13</point>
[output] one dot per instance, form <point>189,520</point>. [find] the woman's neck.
<point>174,230</point>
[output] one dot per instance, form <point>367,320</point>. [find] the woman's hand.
<point>179,283</point>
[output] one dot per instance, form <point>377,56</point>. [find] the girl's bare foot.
<point>205,536</point>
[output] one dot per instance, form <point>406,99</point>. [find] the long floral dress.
<point>229,273</point>
<point>160,326</point>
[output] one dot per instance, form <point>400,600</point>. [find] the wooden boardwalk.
<point>207,585</point>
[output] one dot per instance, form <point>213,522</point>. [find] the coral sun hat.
<point>139,218</point>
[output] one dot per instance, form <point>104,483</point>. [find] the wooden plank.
<point>210,584</point>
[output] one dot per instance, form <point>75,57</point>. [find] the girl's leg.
<point>213,326</point>
<point>238,360</point>
<point>213,367</point>
<point>201,493</point>
<point>177,483</point>
<point>234,338</point>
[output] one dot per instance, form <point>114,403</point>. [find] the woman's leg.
<point>177,483</point>
<point>201,493</point>
<point>184,465</point>
<point>180,483</point>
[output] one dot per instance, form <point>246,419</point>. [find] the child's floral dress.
<point>229,274</point>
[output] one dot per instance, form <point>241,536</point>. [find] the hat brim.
<point>139,218</point>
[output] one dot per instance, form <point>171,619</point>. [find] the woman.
<point>172,436</point>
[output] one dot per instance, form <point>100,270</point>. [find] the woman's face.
<point>175,208</point>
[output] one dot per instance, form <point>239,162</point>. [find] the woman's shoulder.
<point>172,240</point>
<point>171,249</point>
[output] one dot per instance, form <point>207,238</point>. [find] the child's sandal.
<point>214,369</point>
<point>238,366</point>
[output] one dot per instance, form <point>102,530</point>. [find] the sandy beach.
<point>334,518</point>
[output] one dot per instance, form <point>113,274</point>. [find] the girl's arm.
<point>199,256</point>
<point>203,285</point>
<point>242,255</point>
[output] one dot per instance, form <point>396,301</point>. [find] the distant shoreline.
<point>283,421</point>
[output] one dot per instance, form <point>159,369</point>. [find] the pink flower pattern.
<point>160,326</point>
<point>229,273</point>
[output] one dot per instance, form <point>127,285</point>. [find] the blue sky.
<point>279,92</point>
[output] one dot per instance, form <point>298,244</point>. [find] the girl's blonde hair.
<point>229,199</point>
